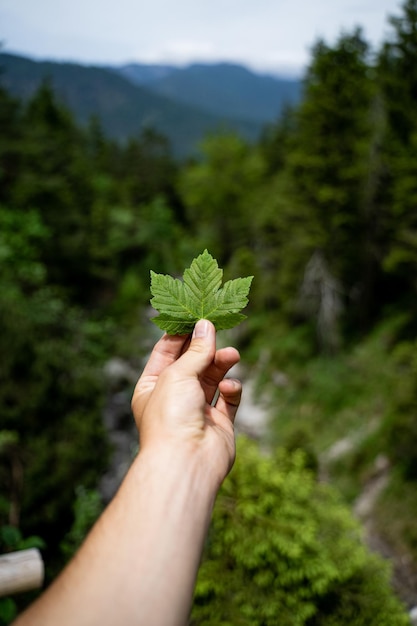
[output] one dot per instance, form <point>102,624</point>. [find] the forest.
<point>322,211</point>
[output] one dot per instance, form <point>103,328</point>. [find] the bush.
<point>401,425</point>
<point>284,549</point>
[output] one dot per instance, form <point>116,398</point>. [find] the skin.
<point>139,563</point>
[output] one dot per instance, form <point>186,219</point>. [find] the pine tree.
<point>397,71</point>
<point>331,164</point>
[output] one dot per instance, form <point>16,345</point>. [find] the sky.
<point>272,36</point>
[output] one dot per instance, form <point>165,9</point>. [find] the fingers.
<point>229,398</point>
<point>201,351</point>
<point>166,351</point>
<point>203,360</point>
<point>224,359</point>
<point>194,357</point>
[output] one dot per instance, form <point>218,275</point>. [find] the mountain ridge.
<point>124,107</point>
<point>222,88</point>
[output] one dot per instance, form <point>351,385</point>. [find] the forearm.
<point>139,563</point>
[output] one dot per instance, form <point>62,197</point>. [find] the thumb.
<point>201,350</point>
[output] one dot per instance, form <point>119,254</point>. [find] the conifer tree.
<point>331,160</point>
<point>397,71</point>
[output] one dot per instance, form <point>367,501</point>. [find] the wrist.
<point>181,464</point>
<point>207,452</point>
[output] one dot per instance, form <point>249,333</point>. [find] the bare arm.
<point>138,565</point>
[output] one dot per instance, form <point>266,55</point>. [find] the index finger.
<point>166,351</point>
<point>224,360</point>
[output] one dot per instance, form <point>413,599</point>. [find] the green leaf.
<point>198,296</point>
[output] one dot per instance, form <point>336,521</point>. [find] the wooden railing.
<point>20,571</point>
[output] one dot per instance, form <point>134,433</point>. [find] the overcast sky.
<point>268,35</point>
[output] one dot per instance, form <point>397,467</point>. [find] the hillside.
<point>123,108</point>
<point>322,213</point>
<point>223,89</point>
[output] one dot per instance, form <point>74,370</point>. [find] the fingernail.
<point>201,329</point>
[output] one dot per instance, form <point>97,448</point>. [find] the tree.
<point>10,132</point>
<point>147,170</point>
<point>397,72</point>
<point>50,386</point>
<point>54,178</point>
<point>330,163</point>
<point>218,192</point>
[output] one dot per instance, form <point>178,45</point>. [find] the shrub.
<point>283,549</point>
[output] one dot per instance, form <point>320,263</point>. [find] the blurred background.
<point>282,137</point>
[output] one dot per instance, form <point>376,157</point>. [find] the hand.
<point>172,401</point>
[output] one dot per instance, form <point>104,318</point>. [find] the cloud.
<point>262,34</point>
<point>179,51</point>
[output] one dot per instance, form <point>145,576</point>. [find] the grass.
<point>338,407</point>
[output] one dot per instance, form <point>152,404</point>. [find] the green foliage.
<point>395,519</point>
<point>51,351</point>
<point>20,239</point>
<point>8,611</point>
<point>349,412</point>
<point>398,82</point>
<point>217,192</point>
<point>322,211</point>
<point>148,168</point>
<point>199,296</point>
<point>398,74</point>
<point>11,539</point>
<point>401,426</point>
<point>330,161</point>
<point>348,397</point>
<point>87,508</point>
<point>76,224</point>
<point>284,549</point>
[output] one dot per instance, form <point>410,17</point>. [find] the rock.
<point>252,416</point>
<point>119,373</point>
<point>413,616</point>
<point>365,503</point>
<point>340,448</point>
<point>119,423</point>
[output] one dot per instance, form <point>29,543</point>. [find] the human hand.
<point>172,401</point>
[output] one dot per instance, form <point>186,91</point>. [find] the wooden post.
<point>20,571</point>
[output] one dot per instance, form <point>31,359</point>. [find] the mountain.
<point>171,100</point>
<point>223,89</point>
<point>145,74</point>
